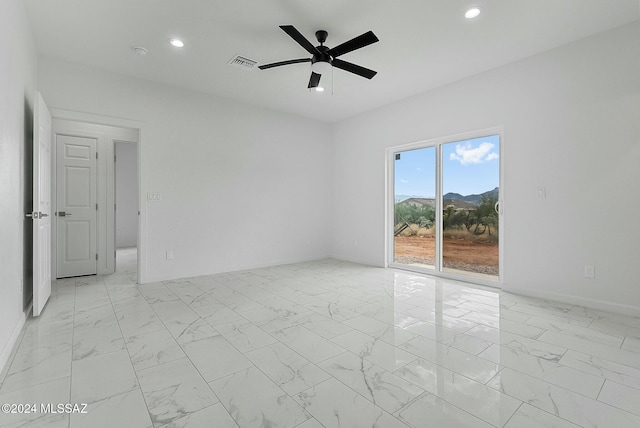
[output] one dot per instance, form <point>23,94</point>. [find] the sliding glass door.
<point>415,207</point>
<point>446,210</point>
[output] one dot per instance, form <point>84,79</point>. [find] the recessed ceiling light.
<point>319,89</point>
<point>176,43</point>
<point>140,50</point>
<point>473,12</point>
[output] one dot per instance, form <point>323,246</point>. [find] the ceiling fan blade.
<point>278,64</point>
<point>314,81</point>
<point>298,37</point>
<point>353,68</point>
<point>356,43</point>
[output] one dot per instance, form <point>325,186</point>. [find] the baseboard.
<point>272,263</point>
<point>599,305</point>
<point>355,260</point>
<point>13,339</point>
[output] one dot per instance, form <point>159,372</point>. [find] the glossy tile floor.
<point>320,344</point>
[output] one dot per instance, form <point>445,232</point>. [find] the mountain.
<point>472,199</point>
<point>400,198</point>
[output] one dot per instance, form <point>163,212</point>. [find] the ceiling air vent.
<point>242,62</point>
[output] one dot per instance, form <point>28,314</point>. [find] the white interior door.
<point>76,198</point>
<point>41,206</point>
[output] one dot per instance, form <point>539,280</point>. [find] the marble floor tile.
<point>94,379</point>
<point>532,417</point>
<point>621,396</point>
<point>245,336</point>
<point>336,406</point>
<point>151,349</point>
<point>122,410</point>
<point>287,369</point>
<point>308,344</point>
<point>379,386</point>
<point>577,331</point>
<point>631,344</point>
<point>552,372</point>
<point>95,317</point>
<point>136,323</point>
<point>331,310</point>
<point>323,326</point>
<point>575,408</point>
<point>616,329</point>
<point>310,423</point>
<point>616,355</point>
<point>217,314</point>
<point>380,353</point>
<point>40,365</point>
<point>430,411</point>
<point>469,395</point>
<point>457,361</point>
<point>131,305</point>
<point>56,391</point>
<point>351,345</point>
<point>551,313</point>
<point>213,416</point>
<point>603,368</point>
<point>97,341</point>
<point>215,357</point>
<point>380,330</point>
<point>253,400</point>
<point>461,341</point>
<point>197,329</point>
<point>538,348</point>
<point>156,293</point>
<point>174,390</point>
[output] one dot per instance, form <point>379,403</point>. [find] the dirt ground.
<point>470,256</point>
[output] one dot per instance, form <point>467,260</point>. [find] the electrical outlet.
<point>169,254</point>
<point>154,197</point>
<point>589,272</point>
<point>542,192</point>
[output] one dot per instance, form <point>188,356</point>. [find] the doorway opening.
<point>444,208</point>
<point>84,238</point>
<point>126,208</point>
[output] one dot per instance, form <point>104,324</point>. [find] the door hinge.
<point>96,257</point>
<point>96,207</point>
<point>96,155</point>
<point>114,158</point>
<point>115,207</point>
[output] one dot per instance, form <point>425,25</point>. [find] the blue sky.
<point>469,167</point>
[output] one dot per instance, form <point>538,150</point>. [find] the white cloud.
<point>403,181</point>
<point>468,155</point>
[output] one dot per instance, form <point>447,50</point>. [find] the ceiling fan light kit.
<point>323,58</point>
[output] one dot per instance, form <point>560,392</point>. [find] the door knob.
<point>63,214</point>
<point>44,215</point>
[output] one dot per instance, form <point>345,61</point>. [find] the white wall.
<point>241,186</point>
<point>18,64</point>
<point>126,195</point>
<point>571,119</point>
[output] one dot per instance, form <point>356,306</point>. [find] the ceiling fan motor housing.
<point>321,35</point>
<point>324,59</point>
<point>322,56</point>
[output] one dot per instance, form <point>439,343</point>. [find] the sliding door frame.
<point>390,205</point>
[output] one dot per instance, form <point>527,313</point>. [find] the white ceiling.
<point>423,43</point>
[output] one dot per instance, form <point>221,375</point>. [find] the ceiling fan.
<point>323,58</point>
